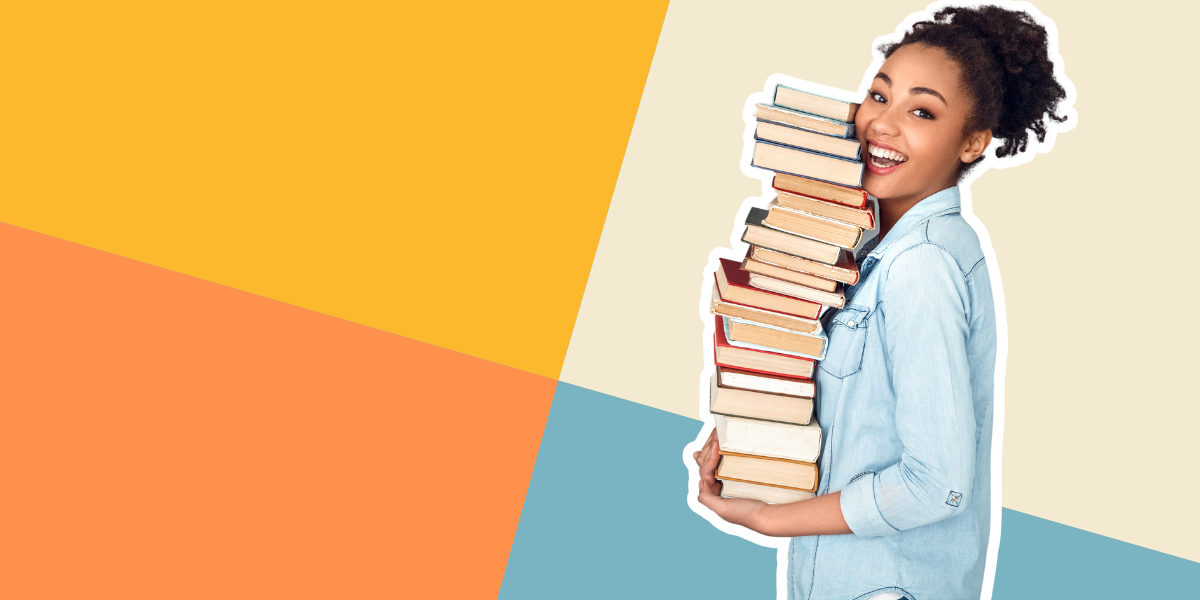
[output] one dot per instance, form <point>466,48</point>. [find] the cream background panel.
<point>1061,225</point>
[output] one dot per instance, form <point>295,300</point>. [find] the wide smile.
<point>882,161</point>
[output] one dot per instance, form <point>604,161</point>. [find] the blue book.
<point>803,120</point>
<point>807,163</point>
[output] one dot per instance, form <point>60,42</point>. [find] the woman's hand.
<point>738,511</point>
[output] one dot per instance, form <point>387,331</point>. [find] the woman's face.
<point>911,125</point>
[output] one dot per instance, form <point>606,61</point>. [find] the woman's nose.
<point>885,123</point>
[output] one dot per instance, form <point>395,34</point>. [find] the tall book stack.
<point>769,335</point>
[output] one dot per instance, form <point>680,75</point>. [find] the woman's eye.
<point>924,114</point>
<point>878,97</point>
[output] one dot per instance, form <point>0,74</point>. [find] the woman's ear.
<point>976,144</point>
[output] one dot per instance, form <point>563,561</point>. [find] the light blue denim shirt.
<point>904,397</point>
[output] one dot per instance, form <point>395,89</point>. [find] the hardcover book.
<point>774,472</point>
<point>759,233</point>
<point>757,336</point>
<point>803,120</point>
<point>844,269</point>
<point>734,286</point>
<point>720,306</point>
<point>815,103</point>
<point>812,226</point>
<point>769,384</point>
<point>854,197</point>
<point>769,438</point>
<point>807,163</point>
<point>791,136</point>
<point>817,283</point>
<point>763,493</point>
<point>835,299</point>
<point>859,217</point>
<point>734,402</point>
<point>760,361</point>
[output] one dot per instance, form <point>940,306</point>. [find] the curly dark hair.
<point>1004,60</point>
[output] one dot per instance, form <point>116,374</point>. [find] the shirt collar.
<point>944,202</point>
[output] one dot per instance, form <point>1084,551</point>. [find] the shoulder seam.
<point>926,243</point>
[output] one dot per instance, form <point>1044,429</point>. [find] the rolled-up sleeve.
<point>925,304</point>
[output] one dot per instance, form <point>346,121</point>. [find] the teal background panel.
<point>584,531</point>
<point>1043,559</point>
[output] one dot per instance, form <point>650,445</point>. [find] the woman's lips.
<point>885,154</point>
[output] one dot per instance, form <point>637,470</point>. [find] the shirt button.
<point>850,324</point>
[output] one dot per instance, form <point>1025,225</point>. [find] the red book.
<point>759,361</point>
<point>734,285</point>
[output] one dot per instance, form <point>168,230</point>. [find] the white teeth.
<point>874,150</point>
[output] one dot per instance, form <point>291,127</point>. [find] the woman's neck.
<point>892,209</point>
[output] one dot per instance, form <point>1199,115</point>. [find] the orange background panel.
<point>166,437</point>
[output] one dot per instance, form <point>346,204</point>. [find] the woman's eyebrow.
<point>884,77</point>
<point>929,91</point>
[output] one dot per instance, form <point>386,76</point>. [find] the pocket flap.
<point>853,317</point>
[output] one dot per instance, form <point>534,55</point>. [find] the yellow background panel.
<point>440,171</point>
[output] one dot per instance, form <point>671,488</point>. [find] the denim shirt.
<point>904,397</point>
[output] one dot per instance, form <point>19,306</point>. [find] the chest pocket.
<point>847,341</point>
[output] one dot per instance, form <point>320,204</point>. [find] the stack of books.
<point>768,335</point>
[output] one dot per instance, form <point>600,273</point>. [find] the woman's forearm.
<point>820,516</point>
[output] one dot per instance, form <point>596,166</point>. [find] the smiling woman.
<point>905,392</point>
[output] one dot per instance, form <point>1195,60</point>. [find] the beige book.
<point>731,309</point>
<point>811,122</point>
<point>791,136</point>
<point>808,164</point>
<point>763,382</point>
<point>806,279</point>
<point>761,234</point>
<point>844,270</point>
<point>815,103</point>
<point>791,341</point>
<point>859,217</point>
<point>764,493</point>
<point>732,402</point>
<point>835,299</point>
<point>774,472</point>
<point>769,438</point>
<point>812,226</point>
<point>849,196</point>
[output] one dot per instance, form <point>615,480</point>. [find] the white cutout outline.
<point>738,251</point>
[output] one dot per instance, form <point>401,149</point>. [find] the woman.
<point>905,392</point>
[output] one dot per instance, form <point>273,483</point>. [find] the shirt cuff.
<point>860,510</point>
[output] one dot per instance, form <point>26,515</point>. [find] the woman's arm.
<point>819,516</point>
